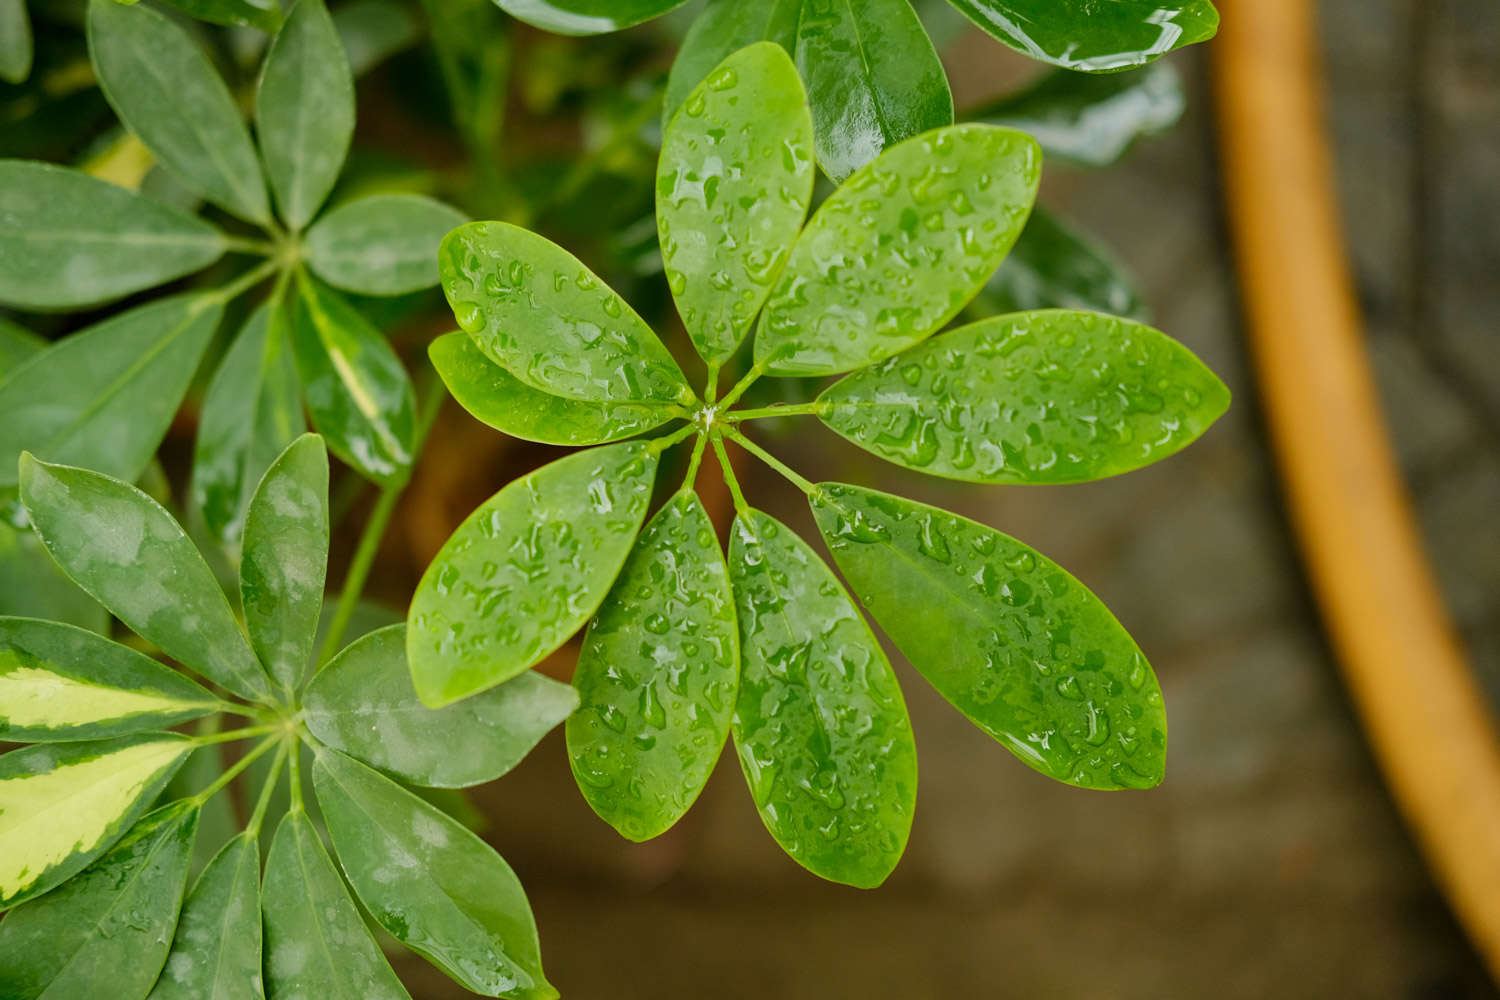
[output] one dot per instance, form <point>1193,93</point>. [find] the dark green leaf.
<point>262,14</point>
<point>725,27</point>
<point>31,585</point>
<point>217,821</point>
<point>657,677</point>
<point>70,240</point>
<point>820,725</point>
<point>216,952</point>
<point>1005,634</point>
<point>15,41</point>
<point>385,244</point>
<point>899,249</point>
<point>363,703</point>
<point>1090,36</point>
<point>374,30</point>
<point>586,17</point>
<point>16,345</point>
<point>1052,267</point>
<point>434,885</point>
<point>526,570</point>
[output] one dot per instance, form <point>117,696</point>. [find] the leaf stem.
<point>779,410</point>
<point>711,384</point>
<point>242,284</point>
<point>241,244</point>
<point>765,456</point>
<point>661,444</point>
<point>294,753</point>
<point>229,736</point>
<point>733,395</point>
<point>691,476</point>
<point>233,771</point>
<point>263,801</point>
<point>727,468</point>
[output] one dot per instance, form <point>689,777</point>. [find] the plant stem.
<point>294,752</point>
<point>779,410</point>
<point>240,244</point>
<point>242,284</point>
<point>692,470</point>
<point>765,456</point>
<point>263,802</point>
<point>584,170</point>
<point>729,478</point>
<point>661,444</point>
<point>755,372</point>
<point>233,771</point>
<point>235,734</point>
<point>711,384</point>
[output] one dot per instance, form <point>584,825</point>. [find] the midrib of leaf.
<point>30,820</point>
<point>299,148</point>
<point>299,831</point>
<point>224,936</point>
<point>122,239</point>
<point>349,376</point>
<point>886,131</point>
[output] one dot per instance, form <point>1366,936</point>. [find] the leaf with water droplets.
<point>384,244</point>
<point>216,950</point>
<point>526,570</point>
<point>433,884</point>
<point>899,249</point>
<point>495,397</point>
<point>1005,634</point>
<point>722,29</point>
<point>657,677</point>
<point>732,188</point>
<point>1053,267</point>
<point>820,724</point>
<point>133,557</point>
<point>549,321</point>
<point>586,17</point>
<point>1090,36</point>
<point>363,703</point>
<point>1041,397</point>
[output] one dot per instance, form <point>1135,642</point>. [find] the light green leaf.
<point>526,570</point>
<point>1005,634</point>
<point>104,397</point>
<point>1093,37</point>
<point>363,703</point>
<point>1040,397</point>
<point>430,882</point>
<point>494,396</point>
<point>586,17</point>
<point>1053,267</point>
<point>127,551</point>
<point>31,585</point>
<point>16,345</point>
<point>732,189</point>
<point>548,320</point>
<point>64,804</point>
<point>286,559</point>
<point>166,92</point>
<point>725,27</point>
<point>899,249</point>
<point>820,724</point>
<point>58,682</point>
<point>385,244</point>
<point>304,111</point>
<point>68,240</point>
<point>316,942</point>
<point>15,41</point>
<point>657,677</point>
<point>359,395</point>
<point>216,951</point>
<point>262,14</point>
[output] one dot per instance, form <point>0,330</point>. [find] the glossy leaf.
<point>32,586</point>
<point>1053,267</point>
<point>820,724</point>
<point>58,682</point>
<point>724,28</point>
<point>107,932</point>
<point>168,94</point>
<point>15,41</point>
<point>363,703</point>
<point>316,942</point>
<point>495,397</point>
<point>16,345</point>
<point>69,240</point>
<point>732,189</point>
<point>262,14</point>
<point>430,882</point>
<point>286,560</point>
<point>657,677</point>
<point>586,17</point>
<point>359,395</point>
<point>216,951</point>
<point>526,570</point>
<point>1040,397</point>
<point>548,320</point>
<point>1090,36</point>
<point>374,30</point>
<point>127,551</point>
<point>104,397</point>
<point>1005,634</point>
<point>64,804</point>
<point>304,111</point>
<point>899,249</point>
<point>385,244</point>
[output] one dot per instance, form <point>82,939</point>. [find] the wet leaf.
<point>899,249</point>
<point>724,28</point>
<point>1053,267</point>
<point>1093,37</point>
<point>1040,397</point>
<point>385,244</point>
<point>586,17</point>
<point>363,703</point>
<point>15,41</point>
<point>526,570</point>
<point>820,724</point>
<point>216,951</point>
<point>657,677</point>
<point>262,14</point>
<point>1005,634</point>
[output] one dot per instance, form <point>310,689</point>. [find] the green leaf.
<point>166,92</point>
<point>374,30</point>
<point>657,677</point>
<point>286,559</point>
<point>1053,267</point>
<point>251,411</point>
<point>127,551</point>
<point>104,397</point>
<point>1040,397</point>
<point>16,345</point>
<point>15,41</point>
<point>586,17</point>
<point>363,703</point>
<point>304,111</point>
<point>732,189</point>
<point>1005,634</point>
<point>1090,36</point>
<point>70,240</point>
<point>107,932</point>
<point>725,27</point>
<point>262,14</point>
<point>64,804</point>
<point>494,396</point>
<point>526,570</point>
<point>216,951</point>
<point>820,725</point>
<point>32,586</point>
<point>316,941</point>
<point>58,682</point>
<point>899,249</point>
<point>430,882</point>
<point>359,395</point>
<point>385,244</point>
<point>548,320</point>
